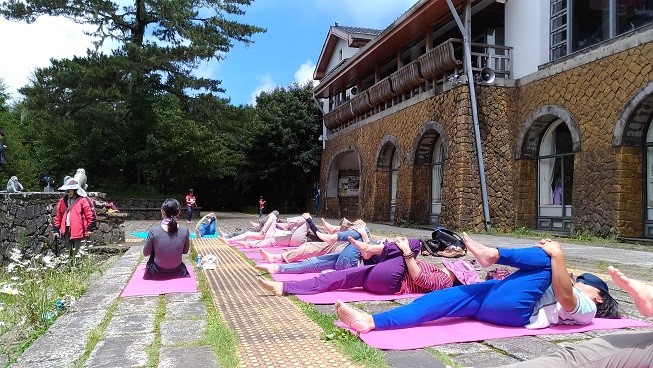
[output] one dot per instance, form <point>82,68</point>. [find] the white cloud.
<point>29,46</point>
<point>265,85</point>
<point>305,73</point>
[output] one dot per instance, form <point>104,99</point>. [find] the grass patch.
<point>95,335</point>
<point>155,347</point>
<point>35,291</point>
<point>353,346</point>
<point>218,335</point>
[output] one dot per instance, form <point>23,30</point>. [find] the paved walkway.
<point>167,331</point>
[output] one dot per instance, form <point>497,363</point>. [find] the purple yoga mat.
<point>452,330</point>
<point>139,287</point>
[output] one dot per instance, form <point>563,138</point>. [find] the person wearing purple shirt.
<point>166,244</point>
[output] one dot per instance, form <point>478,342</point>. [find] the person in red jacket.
<point>74,218</point>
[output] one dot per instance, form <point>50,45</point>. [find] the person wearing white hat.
<point>75,217</point>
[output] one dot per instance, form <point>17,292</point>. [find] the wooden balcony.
<point>429,71</point>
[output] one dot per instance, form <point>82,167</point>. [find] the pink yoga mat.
<point>138,287</point>
<point>350,295</point>
<point>452,330</point>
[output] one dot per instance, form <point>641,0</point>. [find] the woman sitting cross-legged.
<point>400,273</point>
<point>540,293</point>
<point>166,244</point>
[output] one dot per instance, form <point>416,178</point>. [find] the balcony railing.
<point>430,71</point>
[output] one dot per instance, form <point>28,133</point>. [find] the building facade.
<point>557,94</point>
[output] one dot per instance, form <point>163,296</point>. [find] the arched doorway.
<point>343,184</point>
<point>437,170</point>
<point>555,179</point>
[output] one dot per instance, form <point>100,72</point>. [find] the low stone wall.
<point>26,222</point>
<point>148,209</point>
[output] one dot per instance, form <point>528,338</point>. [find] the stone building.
<point>504,113</point>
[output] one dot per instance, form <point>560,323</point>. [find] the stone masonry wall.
<point>26,222</point>
<point>595,95</point>
<point>607,192</point>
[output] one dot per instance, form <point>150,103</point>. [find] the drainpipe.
<point>323,137</point>
<point>467,59</point>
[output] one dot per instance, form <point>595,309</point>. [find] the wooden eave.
<point>353,40</point>
<point>418,20</point>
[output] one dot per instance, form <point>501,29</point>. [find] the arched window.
<point>555,178</point>
<point>394,176</point>
<point>437,166</point>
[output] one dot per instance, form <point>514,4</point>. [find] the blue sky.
<point>287,52</point>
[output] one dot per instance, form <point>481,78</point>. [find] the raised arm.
<point>560,280</point>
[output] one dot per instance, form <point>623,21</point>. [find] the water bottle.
<point>198,260</point>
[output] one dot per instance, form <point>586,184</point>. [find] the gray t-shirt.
<point>168,248</point>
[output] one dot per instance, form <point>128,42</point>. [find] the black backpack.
<point>444,243</point>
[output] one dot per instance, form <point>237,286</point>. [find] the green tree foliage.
<point>19,161</point>
<point>114,114</point>
<point>163,40</point>
<point>283,158</point>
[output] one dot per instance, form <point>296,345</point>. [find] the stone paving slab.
<point>177,357</point>
<point>174,332</point>
<point>121,351</point>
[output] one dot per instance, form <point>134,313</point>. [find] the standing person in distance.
<point>261,206</point>
<point>191,201</point>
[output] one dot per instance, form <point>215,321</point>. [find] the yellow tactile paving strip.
<point>272,331</point>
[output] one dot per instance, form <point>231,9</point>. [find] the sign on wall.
<point>349,186</point>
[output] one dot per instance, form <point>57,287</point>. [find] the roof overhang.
<point>335,34</point>
<point>422,16</point>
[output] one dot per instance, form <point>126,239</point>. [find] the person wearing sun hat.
<point>74,218</point>
<point>399,273</point>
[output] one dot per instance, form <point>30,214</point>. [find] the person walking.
<point>191,201</point>
<point>261,206</point>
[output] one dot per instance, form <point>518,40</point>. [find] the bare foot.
<point>485,255</point>
<point>641,293</point>
<point>197,233</point>
<point>275,287</point>
<point>358,321</point>
<point>367,250</point>
<point>330,228</point>
<point>269,268</point>
<point>327,238</point>
<point>270,257</point>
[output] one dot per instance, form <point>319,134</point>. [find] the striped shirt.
<point>430,279</point>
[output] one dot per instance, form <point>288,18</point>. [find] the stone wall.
<point>147,209</point>
<point>607,179</point>
<point>26,222</point>
<point>607,197</point>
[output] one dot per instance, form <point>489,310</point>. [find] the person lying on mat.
<point>165,245</point>
<point>633,349</point>
<point>266,230</point>
<point>538,294</point>
<point>350,256</point>
<point>333,243</point>
<point>206,225</point>
<point>290,234</point>
<point>400,273</point>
